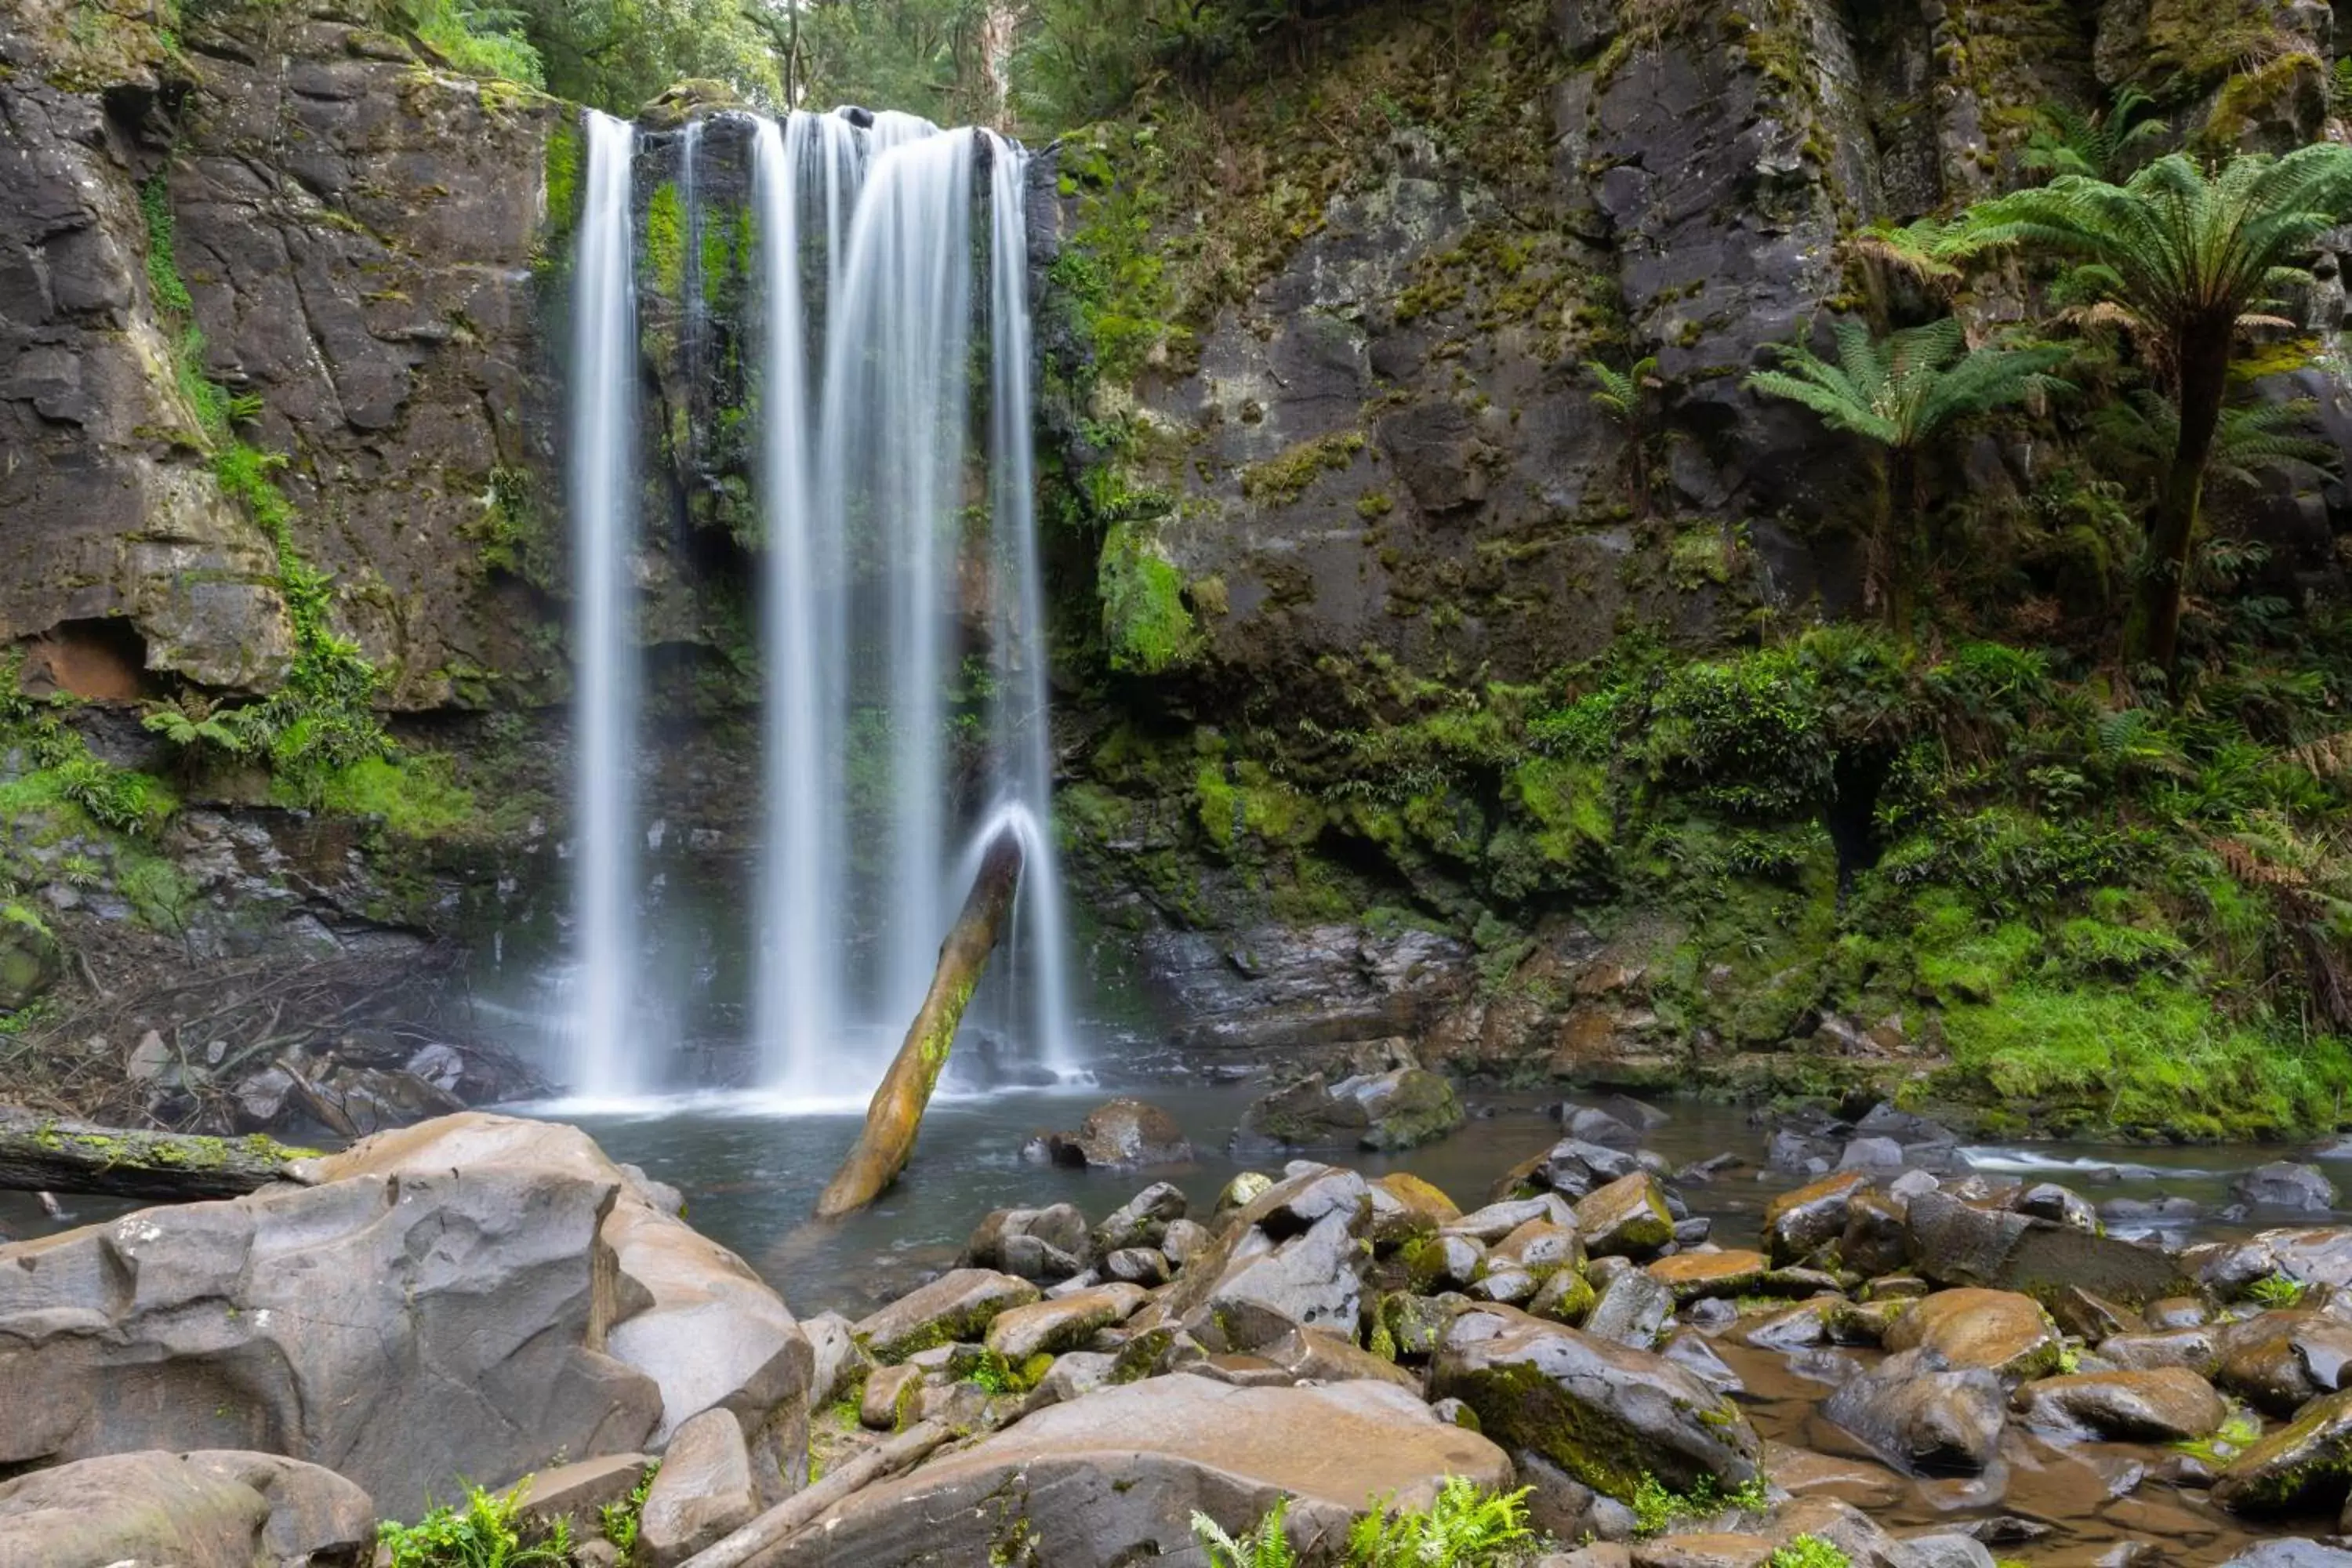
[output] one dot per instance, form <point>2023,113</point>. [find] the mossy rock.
<point>30,958</point>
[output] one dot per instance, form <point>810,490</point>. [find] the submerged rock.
<point>1919,1414</point>
<point>209,1508</point>
<point>1123,1135</point>
<point>1955,1244</point>
<point>1114,1477</point>
<point>1400,1108</point>
<point>2170,1404</point>
<point>2285,1184</point>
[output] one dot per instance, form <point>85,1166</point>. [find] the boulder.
<point>1540,1247</point>
<point>1607,1414</point>
<point>1574,1166</point>
<point>2305,1464</point>
<point>1800,1222</point>
<point>1498,1219</point>
<point>1049,1327</point>
<point>577,1492</point>
<point>2285,1184</point>
<point>1400,1108</point>
<point>1628,1217</point>
<point>2290,1553</point>
<point>1122,1134</point>
<point>1040,1245</point>
<point>2048,1200</point>
<point>1309,1282</point>
<point>1633,1310</point>
<point>436,1305</point>
<point>2192,1348</point>
<point>1693,1275</point>
<point>1425,1200</point>
<point>1591,1124</point>
<point>957,1306</point>
<point>2281,1360</point>
<point>1955,1244</point>
<point>1144,1266</point>
<point>209,1508</point>
<point>1998,1331</point>
<point>1921,1415</point>
<point>1114,1477</point>
<point>1703,1549</point>
<point>1141,1221</point>
<point>2170,1404</point>
<point>702,1491</point>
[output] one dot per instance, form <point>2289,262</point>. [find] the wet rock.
<point>2168,1405</point>
<point>1308,1281</point>
<point>1998,1331</point>
<point>1315,1356</point>
<point>1921,1415</point>
<point>1628,1218</point>
<point>2178,1312</point>
<point>891,1395</point>
<point>1703,1549</point>
<point>1690,1351</point>
<point>1144,1266</point>
<point>1800,1222</point>
<point>1942,1549</point>
<point>1496,1220</point>
<point>1046,1327</point>
<point>1588,1124</point>
<point>1241,1189</point>
<point>1184,1240</point>
<point>702,1491</point>
<point>1842,1525</point>
<point>1631,1310</point>
<point>1444,1261</point>
<point>2092,1317</point>
<point>1540,1247</point>
<point>1055,1243</point>
<point>1112,1477</point>
<point>957,1306</point>
<point>2305,1464</point>
<point>2285,1184</point>
<point>2049,1200</point>
<point>1955,1244</point>
<point>1871,1154</point>
<point>1876,1239</point>
<point>1123,1135</point>
<point>1141,1221</point>
<point>1692,1274</point>
<point>1566,1298</point>
<point>1925,1144</point>
<point>1574,1166</point>
<point>1606,1414</point>
<point>1401,1108</point>
<point>2190,1348</point>
<point>2280,1361</point>
<point>1792,1327</point>
<point>2290,1553</point>
<point>208,1508</point>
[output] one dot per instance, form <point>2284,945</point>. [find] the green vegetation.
<point>486,1532</point>
<point>2277,1290</point>
<point>1901,392</point>
<point>619,1521</point>
<point>1809,1552</point>
<point>1627,397</point>
<point>1146,629</point>
<point>1463,1526</point>
<point>1656,1507</point>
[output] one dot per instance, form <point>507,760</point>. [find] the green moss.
<point>666,240</point>
<point>560,175</point>
<point>1280,481</point>
<point>1146,629</point>
<point>414,794</point>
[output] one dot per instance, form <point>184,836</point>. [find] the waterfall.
<point>875,549</point>
<point>603,503</point>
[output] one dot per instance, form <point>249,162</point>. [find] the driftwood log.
<point>897,1107</point>
<point>752,1543</point>
<point>41,1154</point>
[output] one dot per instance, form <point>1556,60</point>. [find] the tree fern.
<point>2099,146</point>
<point>2187,255</point>
<point>1901,392</point>
<point>1624,396</point>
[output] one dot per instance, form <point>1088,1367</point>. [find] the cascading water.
<point>601,482</point>
<point>869,296</point>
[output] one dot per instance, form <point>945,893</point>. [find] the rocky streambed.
<point>1928,1366</point>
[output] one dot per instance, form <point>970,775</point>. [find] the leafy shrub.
<point>486,1534</point>
<point>620,1521</point>
<point>1809,1552</point>
<point>1462,1527</point>
<point>1264,1547</point>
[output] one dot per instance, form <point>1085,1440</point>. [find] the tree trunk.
<point>41,1154</point>
<point>752,1542</point>
<point>897,1109</point>
<point>2153,633</point>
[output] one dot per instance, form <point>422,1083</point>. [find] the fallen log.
<point>42,1154</point>
<point>752,1541</point>
<point>897,1109</point>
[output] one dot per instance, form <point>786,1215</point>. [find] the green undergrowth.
<point>1464,1526</point>
<point>486,1532</point>
<point>2080,911</point>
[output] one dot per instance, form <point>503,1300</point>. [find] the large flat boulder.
<point>469,1298</point>
<point>211,1508</point>
<point>1114,1477</point>
<point>1607,1414</point>
<point>1999,1331</point>
<point>1954,1244</point>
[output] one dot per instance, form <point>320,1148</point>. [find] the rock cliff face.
<point>298,208</point>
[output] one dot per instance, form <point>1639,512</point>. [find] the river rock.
<point>702,1491</point>
<point>1607,1414</point>
<point>1048,1327</point>
<point>2285,1184</point>
<point>1591,1124</point>
<point>2280,1361</point>
<point>577,1492</point>
<point>1702,1549</point>
<point>2192,1348</point>
<point>1628,1217</point>
<point>1998,1331</point>
<point>1144,1266</point>
<point>1184,1238</point>
<point>1444,1261</point>
<point>1114,1477</point>
<point>1141,1221</point>
<point>1692,1274</point>
<point>208,1508</point>
<point>2048,1200</point>
<point>1574,1166</point>
<point>2320,1255</point>
<point>1248,1290</point>
<point>1921,1415</point>
<point>1955,1244</point>
<point>957,1306</point>
<point>1401,1108</point>
<point>429,1309</point>
<point>1312,1355</point>
<point>2305,1464</point>
<point>1302,1200</point>
<point>1496,1220</point>
<point>2290,1553</point>
<point>1800,1222</point>
<point>1038,1245</point>
<point>2169,1405</point>
<point>1631,1310</point>
<point>1540,1247</point>
<point>1566,1298</point>
<point>1122,1134</point>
